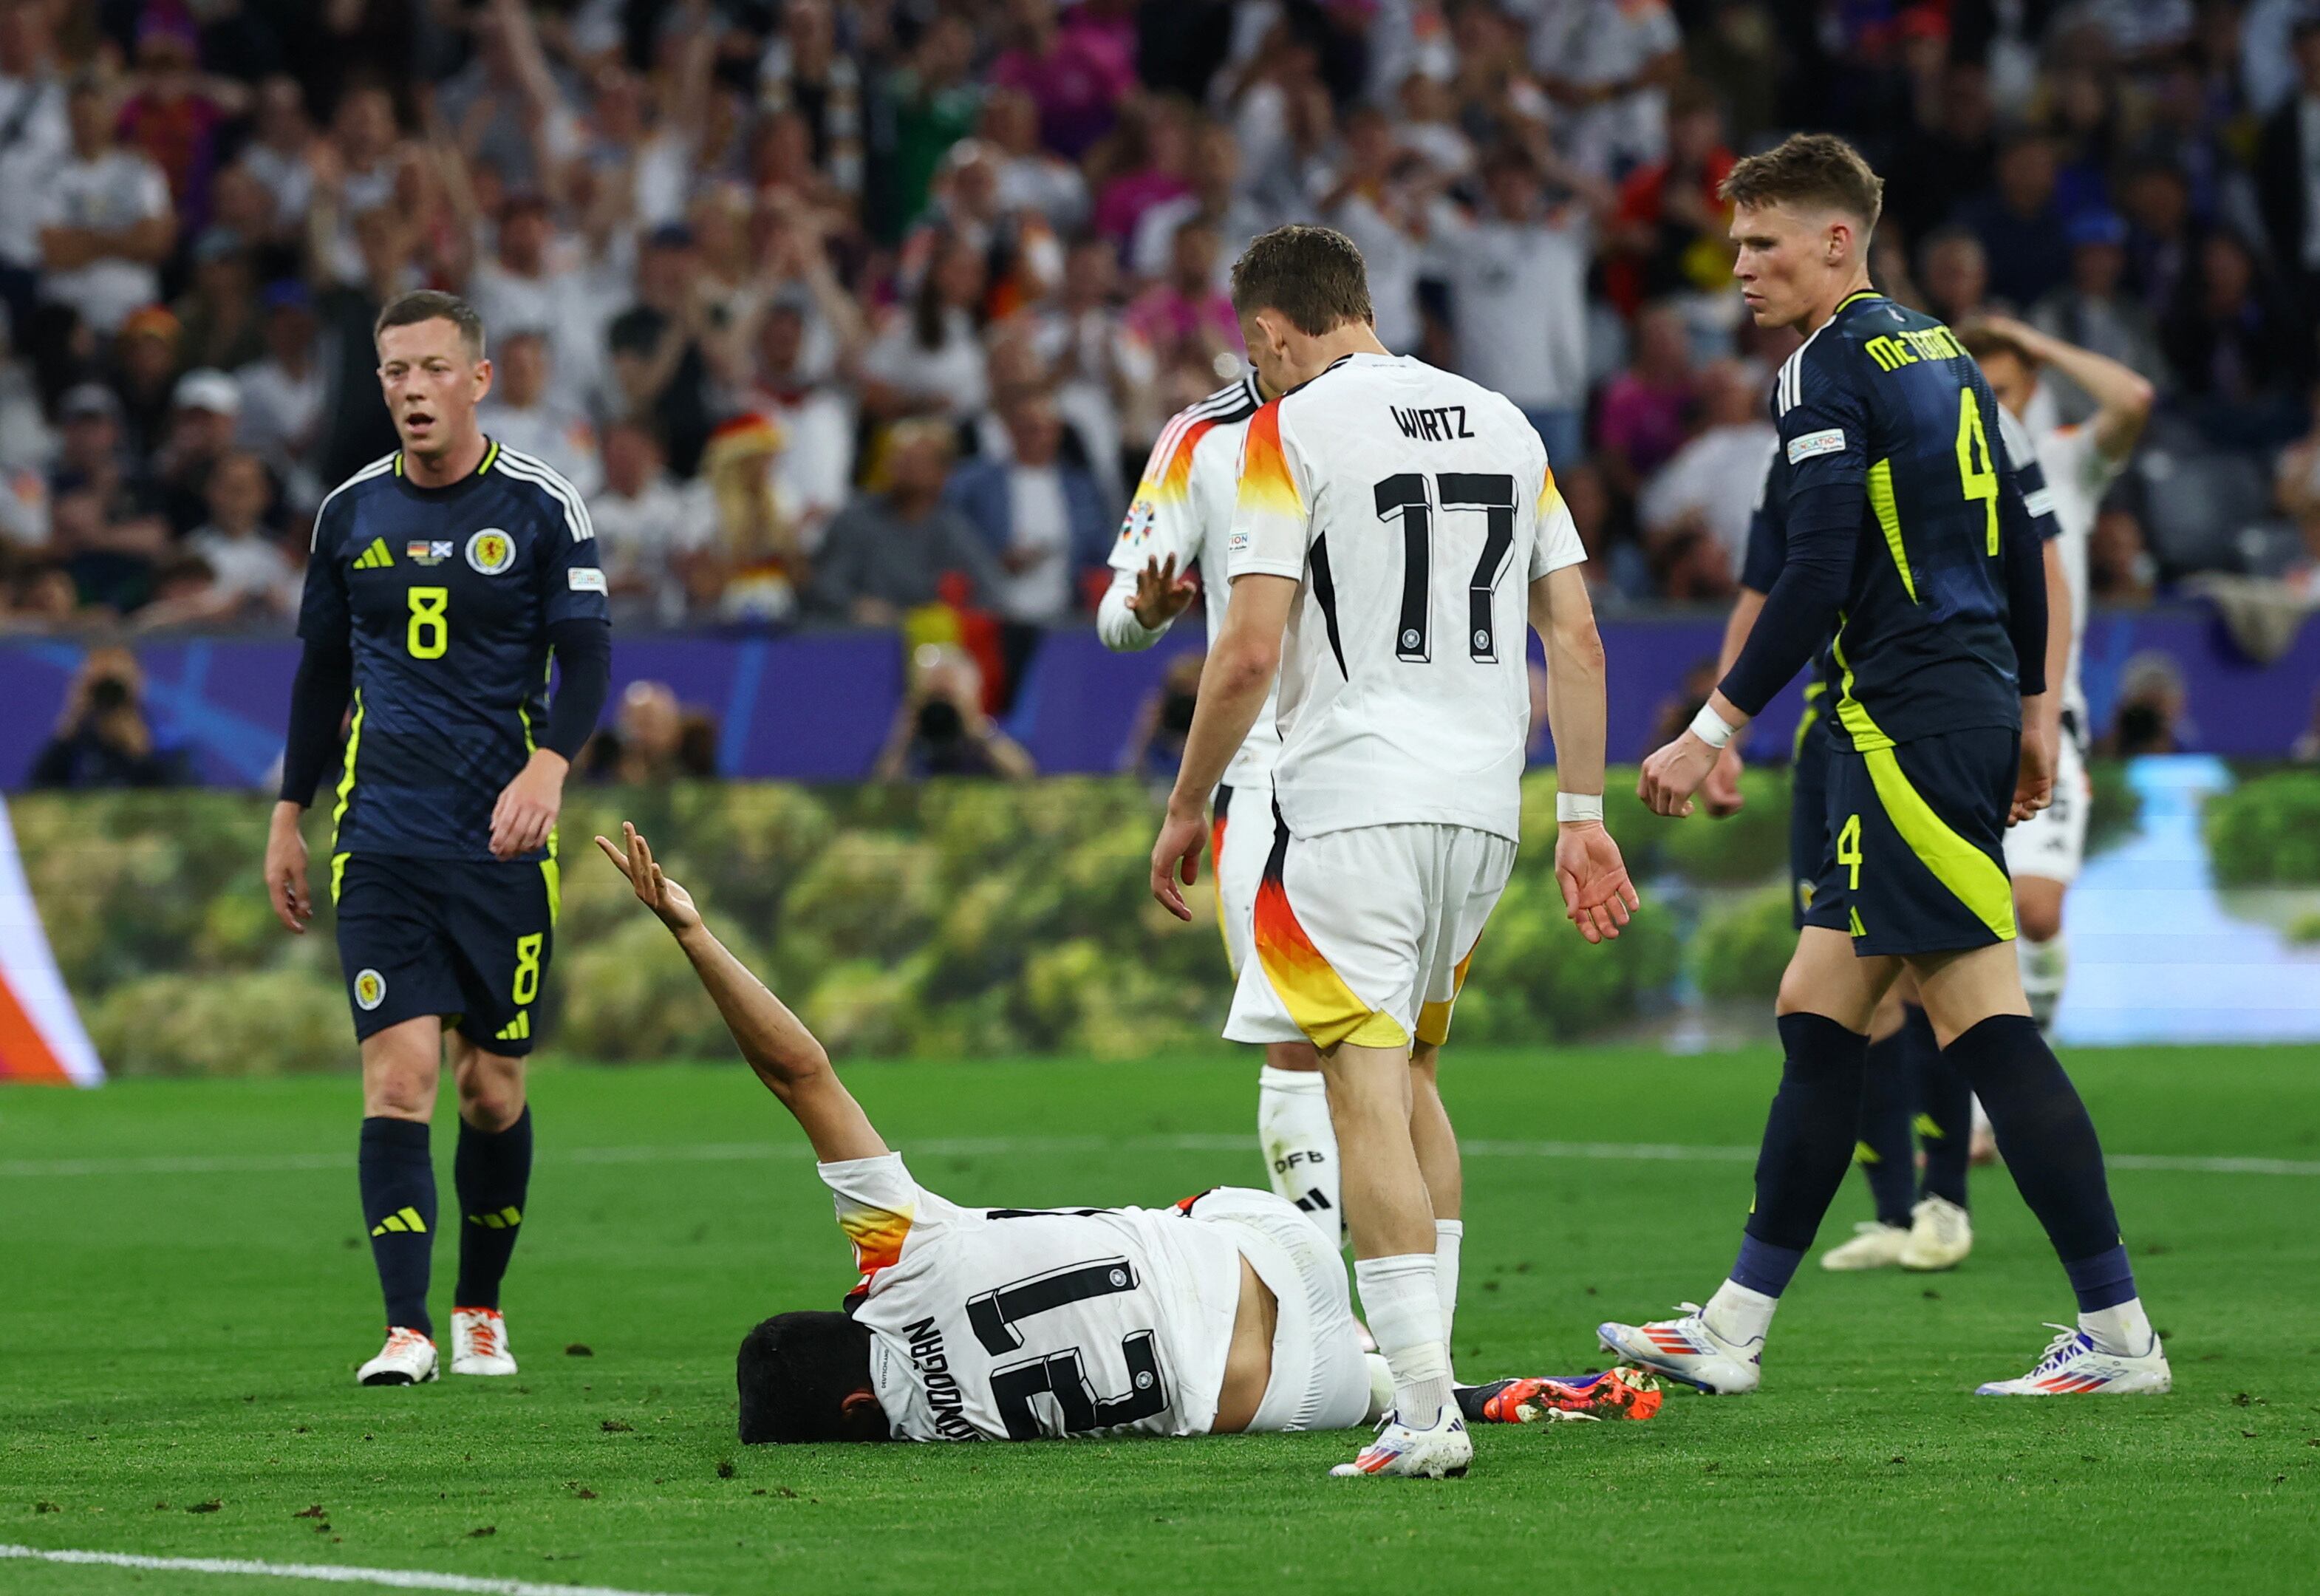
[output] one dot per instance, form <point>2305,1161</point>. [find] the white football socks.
<point>2046,971</point>
<point>2125,1329</point>
<point>1739,1314</point>
<point>1301,1144</point>
<point>1404,1309</point>
<point>1449,1235</point>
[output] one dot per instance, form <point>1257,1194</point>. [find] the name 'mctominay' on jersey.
<point>445,597</point>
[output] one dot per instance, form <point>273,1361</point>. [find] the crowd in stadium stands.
<point>869,312</point>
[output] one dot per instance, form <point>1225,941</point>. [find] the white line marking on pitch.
<point>1004,1146</point>
<point>407,1579</point>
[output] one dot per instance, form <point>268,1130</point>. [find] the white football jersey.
<point>1012,1324</point>
<point>2077,475</point>
<point>1183,508</point>
<point>1413,508</point>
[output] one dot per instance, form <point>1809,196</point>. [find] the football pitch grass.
<point>187,1293</point>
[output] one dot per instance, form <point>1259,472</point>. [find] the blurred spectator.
<point>246,576</point>
<point>281,395</point>
<point>1692,565</point>
<point>178,115</point>
<point>526,411</point>
<point>2092,310</point>
<point>941,729</point>
<point>1379,196</point>
<point>806,71</point>
<point>1948,154</point>
<point>660,371</point>
<point>1105,373</point>
<point>2305,749</point>
<point>204,409</point>
<point>648,526</point>
<point>1155,746</point>
<point>1030,176</point>
<point>1618,577</point>
<point>815,470</point>
<point>2020,224</point>
<point>2240,355</point>
<point>103,738</point>
<point>1954,275</point>
<point>935,105</point>
<point>145,361</point>
<point>1076,71</point>
<point>1647,408</point>
<point>36,141</point>
<point>533,281</point>
<point>2150,715</point>
<point>1152,165</point>
<point>1217,197</point>
<point>1735,55</point>
<point>1184,314</point>
<point>1042,519</point>
<point>2160,240</point>
<point>276,154</point>
<point>2120,569</point>
<point>1517,278</point>
<point>888,553</point>
<point>1696,485</point>
<point>653,741</point>
<point>1668,233</point>
<point>219,315</point>
<point>1607,64</point>
<point>106,221</point>
<point>929,356</point>
<point>753,567</point>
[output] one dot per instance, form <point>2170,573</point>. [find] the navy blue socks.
<point>2051,1149</point>
<point>1885,1152</point>
<point>398,1199</point>
<point>1807,1144</point>
<point>1945,1112</point>
<point>491,1173</point>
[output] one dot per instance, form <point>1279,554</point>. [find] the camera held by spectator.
<point>941,729</point>
<point>103,738</point>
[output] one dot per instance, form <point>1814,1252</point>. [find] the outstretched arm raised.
<point>776,1043</point>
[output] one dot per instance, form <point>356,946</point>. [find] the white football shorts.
<point>1364,936</point>
<point>2053,843</point>
<point>1240,836</point>
<point>1319,1379</point>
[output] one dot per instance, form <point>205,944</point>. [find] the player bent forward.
<point>1225,1312</point>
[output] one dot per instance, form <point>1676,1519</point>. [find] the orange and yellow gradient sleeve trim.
<point>1267,486</point>
<point>1316,997</point>
<point>1433,1019</point>
<point>1170,482</point>
<point>877,1235</point>
<point>1550,498</point>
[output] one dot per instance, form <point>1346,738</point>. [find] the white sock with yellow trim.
<point>1449,1237</point>
<point>1301,1144</point>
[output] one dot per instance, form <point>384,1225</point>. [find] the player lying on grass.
<point>1227,1311</point>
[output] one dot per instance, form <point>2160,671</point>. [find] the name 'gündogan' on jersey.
<point>445,597</point>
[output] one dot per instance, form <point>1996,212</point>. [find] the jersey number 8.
<point>429,632</point>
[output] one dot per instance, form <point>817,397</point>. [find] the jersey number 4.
<point>1063,1374</point>
<point>1406,498</point>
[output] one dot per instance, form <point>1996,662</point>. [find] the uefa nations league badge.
<point>490,551</point>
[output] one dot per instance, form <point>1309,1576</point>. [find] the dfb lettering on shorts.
<point>933,1365</point>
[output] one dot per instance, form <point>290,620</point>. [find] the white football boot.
<point>1875,1244</point>
<point>408,1358</point>
<point>479,1343</point>
<point>2075,1366</point>
<point>1688,1350</point>
<point>1939,1237</point>
<point>1441,1452</point>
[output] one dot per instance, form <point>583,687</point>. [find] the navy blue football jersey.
<point>1883,398</point>
<point>445,596</point>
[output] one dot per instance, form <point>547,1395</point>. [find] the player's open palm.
<point>1597,894</point>
<point>1161,593</point>
<point>655,890</point>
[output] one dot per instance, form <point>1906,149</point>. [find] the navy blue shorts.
<point>465,939</point>
<point>1915,856</point>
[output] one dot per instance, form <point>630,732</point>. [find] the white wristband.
<point>1578,806</point>
<point>1709,726</point>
